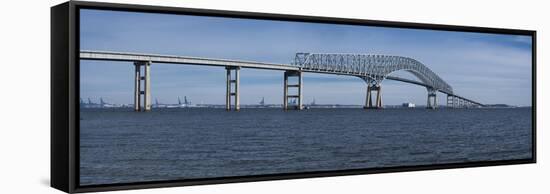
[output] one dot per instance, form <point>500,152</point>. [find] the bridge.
<point>373,69</point>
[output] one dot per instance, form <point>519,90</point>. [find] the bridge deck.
<point>130,57</point>
<point>423,84</point>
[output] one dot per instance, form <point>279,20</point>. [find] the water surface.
<point>122,146</point>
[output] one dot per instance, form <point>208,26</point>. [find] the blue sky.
<point>489,68</point>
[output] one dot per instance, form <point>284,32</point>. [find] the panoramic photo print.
<point>181,97</point>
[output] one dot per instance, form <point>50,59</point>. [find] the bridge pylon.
<point>451,101</point>
<point>378,101</point>
<point>432,99</point>
<point>369,101</point>
<point>296,97</point>
<point>232,80</point>
<point>373,86</point>
<point>142,95</point>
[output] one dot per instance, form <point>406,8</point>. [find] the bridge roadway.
<point>142,62</point>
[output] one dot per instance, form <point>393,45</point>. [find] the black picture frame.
<point>65,95</point>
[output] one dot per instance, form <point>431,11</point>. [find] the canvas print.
<point>184,97</point>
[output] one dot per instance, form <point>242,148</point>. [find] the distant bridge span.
<point>373,69</point>
<point>475,103</point>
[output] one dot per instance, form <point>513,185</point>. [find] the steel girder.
<point>369,67</point>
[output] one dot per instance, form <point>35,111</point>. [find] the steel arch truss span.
<point>374,68</point>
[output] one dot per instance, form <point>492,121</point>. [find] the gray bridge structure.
<point>373,69</point>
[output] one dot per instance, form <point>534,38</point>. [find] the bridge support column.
<point>142,78</point>
<point>137,87</point>
<point>432,97</point>
<point>296,100</point>
<point>368,102</point>
<point>232,91</point>
<point>450,101</point>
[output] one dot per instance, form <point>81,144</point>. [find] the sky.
<point>488,68</point>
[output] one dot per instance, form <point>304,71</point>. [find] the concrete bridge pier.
<point>368,102</point>
<point>232,91</point>
<point>450,101</point>
<point>142,78</point>
<point>432,97</point>
<point>298,85</point>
